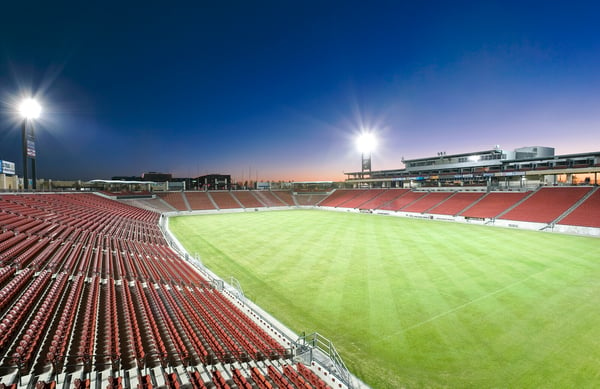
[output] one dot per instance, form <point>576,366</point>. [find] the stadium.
<point>182,203</point>
<point>127,284</point>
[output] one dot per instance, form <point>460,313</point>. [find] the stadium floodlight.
<point>29,110</point>
<point>366,143</point>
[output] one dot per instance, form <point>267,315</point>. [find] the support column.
<point>25,167</point>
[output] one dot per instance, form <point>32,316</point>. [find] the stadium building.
<point>521,168</point>
<point>8,179</point>
<point>214,182</point>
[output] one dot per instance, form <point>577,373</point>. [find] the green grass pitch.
<point>414,303</point>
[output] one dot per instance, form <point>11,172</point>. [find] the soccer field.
<point>413,303</point>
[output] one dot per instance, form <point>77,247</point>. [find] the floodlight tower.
<point>29,110</point>
<point>366,143</point>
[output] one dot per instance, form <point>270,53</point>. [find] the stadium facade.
<point>522,168</point>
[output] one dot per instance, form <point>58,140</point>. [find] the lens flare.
<point>30,109</point>
<point>366,142</point>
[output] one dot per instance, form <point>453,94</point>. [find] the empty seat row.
<point>29,341</point>
<point>19,311</point>
<point>131,325</point>
<point>88,330</point>
<point>247,199</point>
<point>311,376</point>
<point>61,336</point>
<point>15,286</point>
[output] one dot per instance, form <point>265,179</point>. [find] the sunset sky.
<point>279,90</point>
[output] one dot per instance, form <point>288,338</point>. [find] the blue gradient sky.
<point>279,89</point>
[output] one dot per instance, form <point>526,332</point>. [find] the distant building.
<point>157,177</point>
<point>8,179</point>
<point>126,178</point>
<point>263,185</point>
<point>214,182</point>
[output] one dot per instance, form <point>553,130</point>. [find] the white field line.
<point>412,327</point>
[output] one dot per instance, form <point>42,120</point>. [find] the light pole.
<point>30,110</point>
<point>366,143</point>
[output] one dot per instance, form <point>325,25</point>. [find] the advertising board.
<point>7,167</point>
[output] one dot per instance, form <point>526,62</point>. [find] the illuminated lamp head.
<point>366,142</point>
<point>30,109</point>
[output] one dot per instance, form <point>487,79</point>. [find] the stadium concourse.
<point>93,292</point>
<point>91,295</point>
